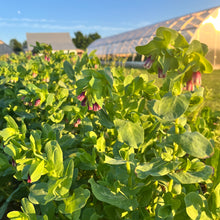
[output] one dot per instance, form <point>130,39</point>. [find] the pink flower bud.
<point>148,63</point>
<point>96,107</point>
<point>37,103</point>
<point>29,179</point>
<point>161,74</point>
<point>81,96</point>
<point>96,66</point>
<point>34,75</point>
<point>30,103</point>
<point>90,108</point>
<point>47,58</point>
<point>76,124</point>
<point>189,85</point>
<point>197,78</point>
<point>46,79</point>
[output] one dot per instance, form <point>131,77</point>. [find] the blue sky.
<point>89,16</point>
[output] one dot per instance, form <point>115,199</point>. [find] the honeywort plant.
<point>79,141</point>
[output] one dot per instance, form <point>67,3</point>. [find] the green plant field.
<point>83,142</point>
<point>211,83</point>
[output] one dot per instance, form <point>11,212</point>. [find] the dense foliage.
<point>79,141</point>
<point>82,41</point>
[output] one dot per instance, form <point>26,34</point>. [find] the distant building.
<point>4,48</point>
<point>58,41</point>
<point>203,26</point>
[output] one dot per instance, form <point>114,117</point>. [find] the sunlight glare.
<point>214,21</point>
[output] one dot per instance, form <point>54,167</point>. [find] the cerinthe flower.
<point>82,96</point>
<point>197,78</point>
<point>37,103</point>
<point>189,85</point>
<point>161,74</point>
<point>29,179</point>
<point>148,63</point>
<point>96,107</point>
<point>76,124</point>
<point>83,103</point>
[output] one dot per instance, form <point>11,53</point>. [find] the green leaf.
<point>38,193</point>
<point>36,170</point>
<point>54,157</point>
<point>198,172</point>
<point>194,144</point>
<point>50,99</point>
<point>105,119</point>
<point>113,161</point>
<point>69,70</point>
<point>75,202</point>
<point>3,161</point>
<point>214,201</point>
<point>165,211</point>
<point>130,133</point>
<point>116,199</point>
<point>16,215</point>
<point>8,133</point>
<point>35,139</point>
<point>196,46</point>
<point>11,122</point>
<point>68,175</point>
<point>156,167</point>
<point>12,150</point>
<point>197,207</point>
<point>100,145</point>
<point>169,107</point>
<point>28,209</point>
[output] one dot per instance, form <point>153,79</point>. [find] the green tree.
<point>15,45</point>
<point>24,44</point>
<point>82,41</point>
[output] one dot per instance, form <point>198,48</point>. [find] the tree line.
<point>81,41</point>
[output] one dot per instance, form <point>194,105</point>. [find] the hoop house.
<point>203,26</point>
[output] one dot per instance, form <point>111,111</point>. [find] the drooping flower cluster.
<point>196,80</point>
<point>83,99</point>
<point>47,58</point>
<point>148,64</point>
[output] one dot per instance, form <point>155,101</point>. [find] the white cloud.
<point>48,25</point>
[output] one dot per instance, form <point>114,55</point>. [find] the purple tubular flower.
<point>161,74</point>
<point>148,63</point>
<point>83,103</point>
<point>37,103</point>
<point>96,107</point>
<point>13,163</point>
<point>81,97</point>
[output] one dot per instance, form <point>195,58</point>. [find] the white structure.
<point>58,41</point>
<point>4,48</point>
<point>203,26</point>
